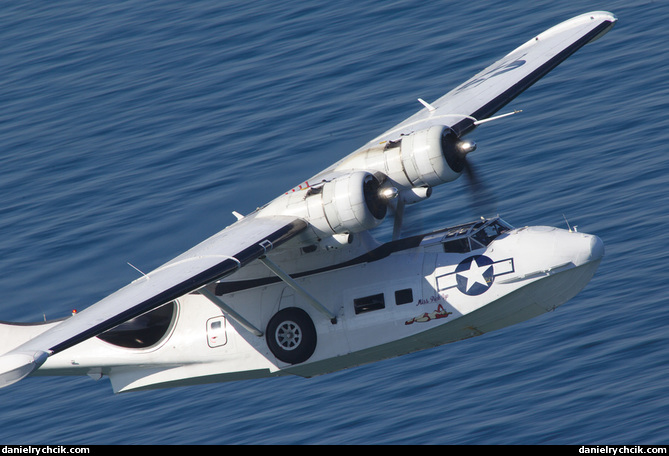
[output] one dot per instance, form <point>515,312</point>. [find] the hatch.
<point>216,335</point>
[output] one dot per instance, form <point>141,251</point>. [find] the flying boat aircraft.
<point>301,286</point>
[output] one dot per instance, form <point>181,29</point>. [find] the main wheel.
<point>291,335</point>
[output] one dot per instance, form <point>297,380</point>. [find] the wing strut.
<point>295,286</point>
<point>227,310</point>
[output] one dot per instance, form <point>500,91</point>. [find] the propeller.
<point>397,201</point>
<point>456,151</point>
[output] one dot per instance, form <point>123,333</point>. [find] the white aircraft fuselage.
<point>389,299</point>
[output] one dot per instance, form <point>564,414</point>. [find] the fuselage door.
<point>216,335</point>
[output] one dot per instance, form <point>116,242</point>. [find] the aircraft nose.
<point>596,248</point>
<point>555,246</point>
<point>584,248</point>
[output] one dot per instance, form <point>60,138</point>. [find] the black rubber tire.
<point>291,335</point>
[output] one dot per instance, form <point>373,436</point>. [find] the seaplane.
<point>302,286</point>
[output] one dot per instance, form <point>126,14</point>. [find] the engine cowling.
<point>352,203</point>
<point>423,158</point>
<point>345,203</point>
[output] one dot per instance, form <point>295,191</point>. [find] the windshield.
<point>490,232</point>
<point>474,235</point>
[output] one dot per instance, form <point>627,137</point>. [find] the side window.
<point>404,296</point>
<point>457,246</point>
<point>143,331</point>
<point>369,303</point>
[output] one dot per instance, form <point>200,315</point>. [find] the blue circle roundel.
<point>475,275</point>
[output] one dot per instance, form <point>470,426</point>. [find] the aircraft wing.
<point>483,95</point>
<point>217,257</point>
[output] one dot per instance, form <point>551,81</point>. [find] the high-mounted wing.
<point>217,257</point>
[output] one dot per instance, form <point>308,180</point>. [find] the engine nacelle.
<point>427,157</point>
<point>352,203</point>
<point>346,203</point>
<point>423,159</point>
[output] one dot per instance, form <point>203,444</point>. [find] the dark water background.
<point>130,130</point>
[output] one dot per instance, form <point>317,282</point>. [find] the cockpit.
<point>473,236</point>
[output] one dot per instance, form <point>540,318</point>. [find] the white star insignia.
<point>475,274</point>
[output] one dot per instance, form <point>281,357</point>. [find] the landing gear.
<point>291,335</point>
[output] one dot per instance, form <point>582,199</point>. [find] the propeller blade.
<point>456,151</point>
<point>399,218</point>
<point>483,200</point>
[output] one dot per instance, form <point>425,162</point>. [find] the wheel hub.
<point>288,335</point>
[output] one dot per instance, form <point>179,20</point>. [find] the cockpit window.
<point>142,331</point>
<point>460,230</point>
<point>473,236</point>
<point>490,232</point>
<point>457,246</point>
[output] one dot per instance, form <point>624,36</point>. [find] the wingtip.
<point>604,21</point>
<point>604,17</point>
<point>16,366</point>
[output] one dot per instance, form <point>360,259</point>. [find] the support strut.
<point>295,286</point>
<point>227,310</point>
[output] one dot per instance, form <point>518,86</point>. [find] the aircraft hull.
<point>442,310</point>
<point>534,299</point>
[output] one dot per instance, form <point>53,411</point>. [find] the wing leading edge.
<point>219,256</point>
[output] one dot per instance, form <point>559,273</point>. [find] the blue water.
<point>130,130</point>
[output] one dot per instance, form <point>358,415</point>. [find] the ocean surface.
<point>130,130</point>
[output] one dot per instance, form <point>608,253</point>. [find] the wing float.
<point>398,167</point>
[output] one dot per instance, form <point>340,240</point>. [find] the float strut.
<point>295,286</point>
